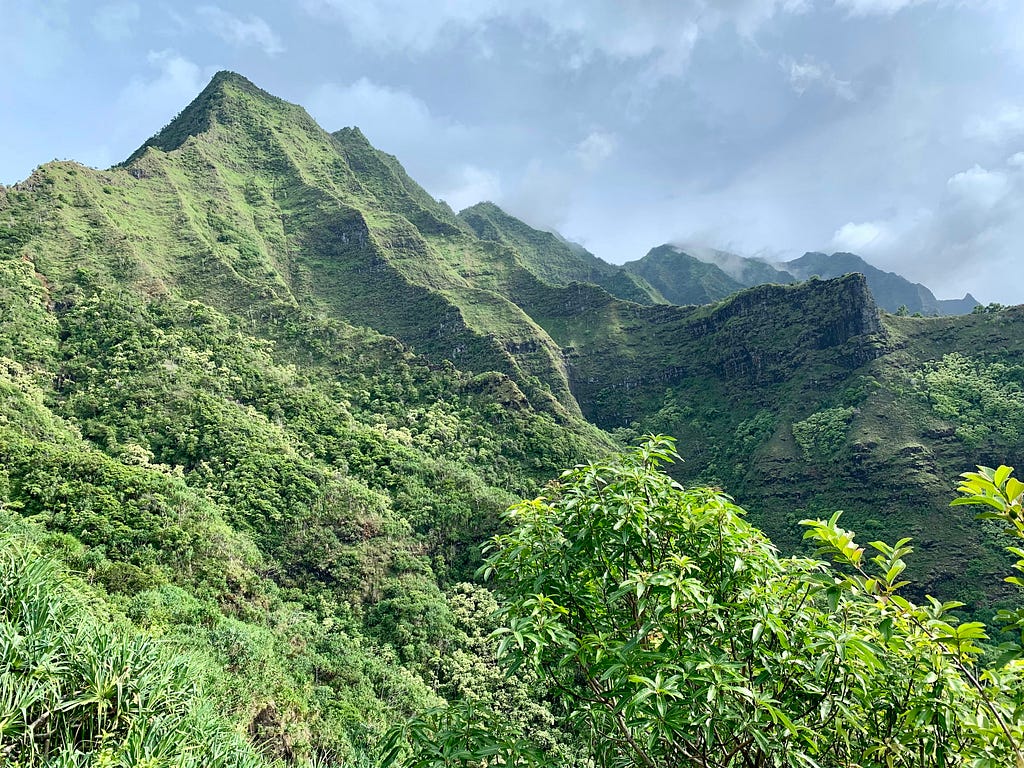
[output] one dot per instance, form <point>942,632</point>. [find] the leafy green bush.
<point>672,633</point>
<point>982,398</point>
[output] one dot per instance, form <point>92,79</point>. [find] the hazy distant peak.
<point>746,270</point>
<point>891,290</point>
<point>682,278</point>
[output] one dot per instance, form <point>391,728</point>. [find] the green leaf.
<point>1001,474</point>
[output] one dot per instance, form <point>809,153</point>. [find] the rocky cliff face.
<point>832,313</point>
<point>621,357</point>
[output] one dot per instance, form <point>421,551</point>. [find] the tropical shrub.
<point>822,434</point>
<point>983,399</point>
<point>670,632</point>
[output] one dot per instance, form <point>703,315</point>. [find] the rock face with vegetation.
<point>262,399</point>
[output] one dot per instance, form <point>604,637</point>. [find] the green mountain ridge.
<point>363,201</point>
<point>266,397</point>
<point>683,279</point>
<point>711,275</point>
<point>553,259</point>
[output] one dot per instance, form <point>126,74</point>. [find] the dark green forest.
<point>298,466</point>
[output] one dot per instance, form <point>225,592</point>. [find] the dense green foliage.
<point>672,633</point>
<point>297,528</point>
<point>822,434</point>
<point>79,686</point>
<point>984,400</point>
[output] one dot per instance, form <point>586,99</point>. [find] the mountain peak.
<point>226,76</point>
<point>485,207</point>
<point>218,99</point>
<point>351,135</point>
<point>681,278</point>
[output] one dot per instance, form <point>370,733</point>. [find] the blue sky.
<point>891,128</point>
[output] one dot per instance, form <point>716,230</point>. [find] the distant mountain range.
<point>671,274</point>
<point>682,277</point>
<point>890,290</point>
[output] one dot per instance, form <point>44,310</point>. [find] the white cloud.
<point>405,24</point>
<point>597,147</point>
<point>469,185</point>
<point>241,32</point>
<point>979,188</point>
<point>392,119</point>
<point>859,238</point>
<point>969,241</point>
<point>877,7</point>
<point>1003,124</point>
<point>35,38</point>
<point>663,32</point>
<point>147,103</point>
<point>892,7</point>
<point>115,21</point>
<point>543,196</point>
<point>808,73</point>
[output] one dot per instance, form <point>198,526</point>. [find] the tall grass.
<point>79,688</point>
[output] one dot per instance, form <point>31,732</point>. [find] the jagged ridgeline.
<point>265,396</point>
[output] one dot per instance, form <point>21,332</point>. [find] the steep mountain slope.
<point>553,259</point>
<point>681,278</point>
<point>890,290</point>
<point>801,400</point>
<point>266,194</point>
